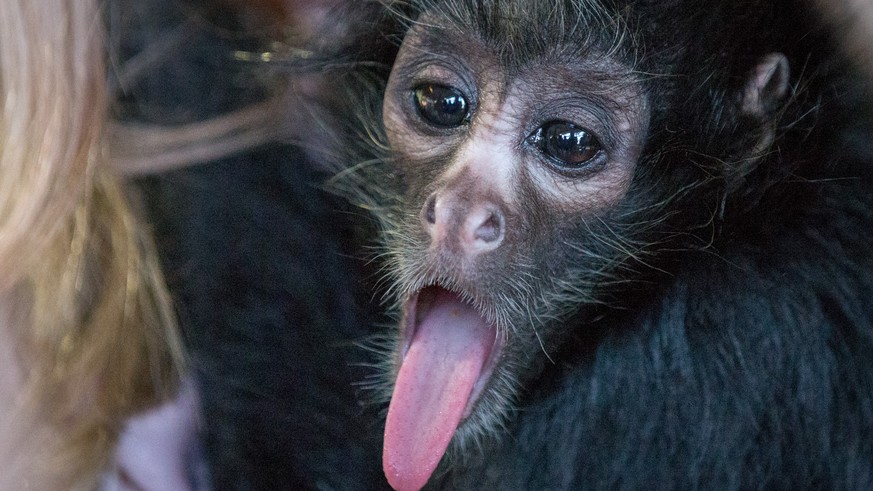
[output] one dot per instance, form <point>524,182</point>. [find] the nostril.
<point>491,229</point>
<point>430,209</point>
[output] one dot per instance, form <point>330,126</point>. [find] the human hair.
<point>88,322</point>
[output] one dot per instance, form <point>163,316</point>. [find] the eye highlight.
<point>441,105</point>
<point>567,145</point>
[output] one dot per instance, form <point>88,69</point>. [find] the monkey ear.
<point>766,87</point>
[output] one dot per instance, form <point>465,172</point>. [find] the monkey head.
<point>529,150</point>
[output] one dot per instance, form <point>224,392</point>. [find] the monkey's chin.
<point>450,351</point>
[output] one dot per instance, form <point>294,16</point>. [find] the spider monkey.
<point>626,244</point>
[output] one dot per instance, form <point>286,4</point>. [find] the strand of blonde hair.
<point>92,320</point>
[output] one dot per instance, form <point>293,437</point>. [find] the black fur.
<point>263,264</point>
<point>267,286</point>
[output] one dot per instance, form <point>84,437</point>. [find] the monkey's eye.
<point>566,144</point>
<point>441,105</point>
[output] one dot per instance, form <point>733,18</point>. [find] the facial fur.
<point>536,172</point>
<point>489,162</point>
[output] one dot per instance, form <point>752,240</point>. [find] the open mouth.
<point>449,353</point>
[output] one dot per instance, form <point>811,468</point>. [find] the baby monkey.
<point>619,249</point>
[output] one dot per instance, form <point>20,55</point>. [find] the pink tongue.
<point>435,381</point>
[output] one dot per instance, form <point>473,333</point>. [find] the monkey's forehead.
<point>433,36</point>
<point>654,35</point>
<point>521,31</point>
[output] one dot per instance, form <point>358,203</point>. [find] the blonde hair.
<point>92,322</point>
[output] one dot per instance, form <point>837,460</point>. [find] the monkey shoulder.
<point>764,345</point>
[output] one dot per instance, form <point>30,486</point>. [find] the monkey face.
<point>507,167</point>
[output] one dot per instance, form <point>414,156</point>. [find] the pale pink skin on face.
<point>19,442</point>
<point>11,384</point>
<point>156,451</point>
<point>11,378</point>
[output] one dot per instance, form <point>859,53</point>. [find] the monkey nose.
<point>476,227</point>
<point>429,212</point>
<point>483,228</point>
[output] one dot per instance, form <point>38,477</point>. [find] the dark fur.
<point>730,345</point>
<point>263,265</point>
